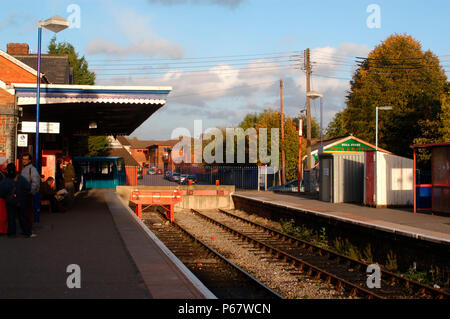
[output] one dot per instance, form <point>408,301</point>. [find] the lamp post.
<point>376,147</point>
<point>55,24</point>
<point>314,95</point>
<point>300,133</point>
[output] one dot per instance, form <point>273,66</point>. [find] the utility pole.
<point>308,108</point>
<point>300,133</point>
<point>283,155</point>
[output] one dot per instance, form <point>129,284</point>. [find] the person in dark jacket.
<point>15,189</point>
<point>48,193</point>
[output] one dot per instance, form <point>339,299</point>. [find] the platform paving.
<point>403,221</point>
<point>117,259</point>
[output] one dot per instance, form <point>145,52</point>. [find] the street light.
<point>55,24</point>
<point>314,95</point>
<point>376,147</point>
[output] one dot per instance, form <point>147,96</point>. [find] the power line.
<point>208,72</point>
<point>200,58</point>
<point>192,67</point>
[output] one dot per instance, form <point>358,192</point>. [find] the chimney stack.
<point>17,48</point>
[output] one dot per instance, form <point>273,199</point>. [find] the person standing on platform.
<point>59,178</point>
<point>69,178</point>
<point>15,189</point>
<point>30,173</point>
<point>3,211</point>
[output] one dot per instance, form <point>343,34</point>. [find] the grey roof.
<point>123,140</point>
<point>55,67</point>
<point>121,152</point>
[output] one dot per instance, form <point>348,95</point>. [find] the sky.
<point>225,58</point>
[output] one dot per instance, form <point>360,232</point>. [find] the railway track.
<point>223,278</point>
<point>343,272</point>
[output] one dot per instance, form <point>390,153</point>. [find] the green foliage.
<point>272,119</point>
<point>432,276</point>
<point>301,232</point>
<point>336,127</point>
<point>368,254</point>
<point>445,118</point>
<point>346,248</point>
<point>98,145</point>
<point>391,261</point>
<point>400,74</point>
<point>81,73</point>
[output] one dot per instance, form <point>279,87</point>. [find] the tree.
<point>98,145</point>
<point>271,119</point>
<point>445,118</point>
<point>315,127</point>
<point>399,74</point>
<point>81,73</point>
<point>336,127</point>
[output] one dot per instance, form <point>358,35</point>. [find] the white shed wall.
<point>395,181</point>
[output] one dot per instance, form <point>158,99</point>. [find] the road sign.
<point>22,140</point>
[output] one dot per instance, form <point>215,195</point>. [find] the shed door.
<point>325,187</point>
<point>370,178</point>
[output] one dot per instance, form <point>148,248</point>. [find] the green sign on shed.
<point>350,145</point>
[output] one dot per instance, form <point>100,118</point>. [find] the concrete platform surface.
<point>89,237</point>
<point>402,221</point>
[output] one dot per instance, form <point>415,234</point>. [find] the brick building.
<point>11,71</point>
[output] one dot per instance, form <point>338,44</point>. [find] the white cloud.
<point>224,94</point>
<point>146,47</point>
<point>141,39</point>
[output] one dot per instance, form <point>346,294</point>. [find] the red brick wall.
<point>17,48</point>
<point>139,155</point>
<point>7,125</point>
<point>12,73</point>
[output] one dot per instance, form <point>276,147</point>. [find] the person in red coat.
<point>3,212</point>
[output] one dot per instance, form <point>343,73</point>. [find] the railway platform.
<point>403,222</point>
<point>117,258</point>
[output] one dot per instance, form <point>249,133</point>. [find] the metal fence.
<point>243,178</point>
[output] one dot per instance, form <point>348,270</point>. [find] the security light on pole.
<point>314,95</point>
<point>55,24</point>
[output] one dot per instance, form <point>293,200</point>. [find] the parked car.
<point>151,171</point>
<point>167,175</point>
<point>189,178</point>
<point>159,171</point>
<point>292,186</point>
<point>175,177</point>
<point>182,179</point>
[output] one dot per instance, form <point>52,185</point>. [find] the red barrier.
<point>148,198</point>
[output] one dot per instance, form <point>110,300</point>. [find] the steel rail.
<point>216,254</point>
<point>388,276</point>
<point>302,265</point>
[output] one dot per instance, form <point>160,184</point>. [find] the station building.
<point>67,111</point>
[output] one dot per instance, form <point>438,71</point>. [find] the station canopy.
<point>91,109</point>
